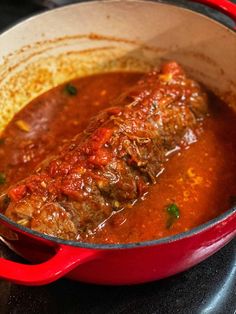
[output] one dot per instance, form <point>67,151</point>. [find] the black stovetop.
<point>209,288</point>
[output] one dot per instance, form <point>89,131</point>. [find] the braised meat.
<point>111,164</point>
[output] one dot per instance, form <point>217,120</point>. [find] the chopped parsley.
<point>173,211</point>
<point>2,178</point>
<point>154,104</point>
<point>71,89</point>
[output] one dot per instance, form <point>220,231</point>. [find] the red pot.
<point>137,262</point>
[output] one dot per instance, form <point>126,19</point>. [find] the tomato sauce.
<point>198,180</point>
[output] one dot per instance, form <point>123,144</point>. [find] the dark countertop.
<point>208,288</point>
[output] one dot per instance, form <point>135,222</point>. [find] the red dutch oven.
<point>199,43</point>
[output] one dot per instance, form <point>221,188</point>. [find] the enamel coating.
<point>138,262</point>
<point>225,6</point>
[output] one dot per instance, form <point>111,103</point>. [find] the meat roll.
<point>111,164</point>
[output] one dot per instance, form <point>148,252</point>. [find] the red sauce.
<point>199,180</point>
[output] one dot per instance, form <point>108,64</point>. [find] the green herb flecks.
<point>174,214</point>
<point>71,89</point>
<point>2,178</point>
<point>154,104</point>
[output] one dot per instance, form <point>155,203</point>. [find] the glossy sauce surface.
<point>199,180</point>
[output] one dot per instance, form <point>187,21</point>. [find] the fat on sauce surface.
<point>199,180</point>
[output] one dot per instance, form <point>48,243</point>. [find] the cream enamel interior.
<point>57,46</point>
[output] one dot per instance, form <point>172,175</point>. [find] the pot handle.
<point>65,260</point>
<point>225,6</point>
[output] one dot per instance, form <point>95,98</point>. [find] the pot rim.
<point>173,238</point>
<point>183,235</point>
<point>181,6</point>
